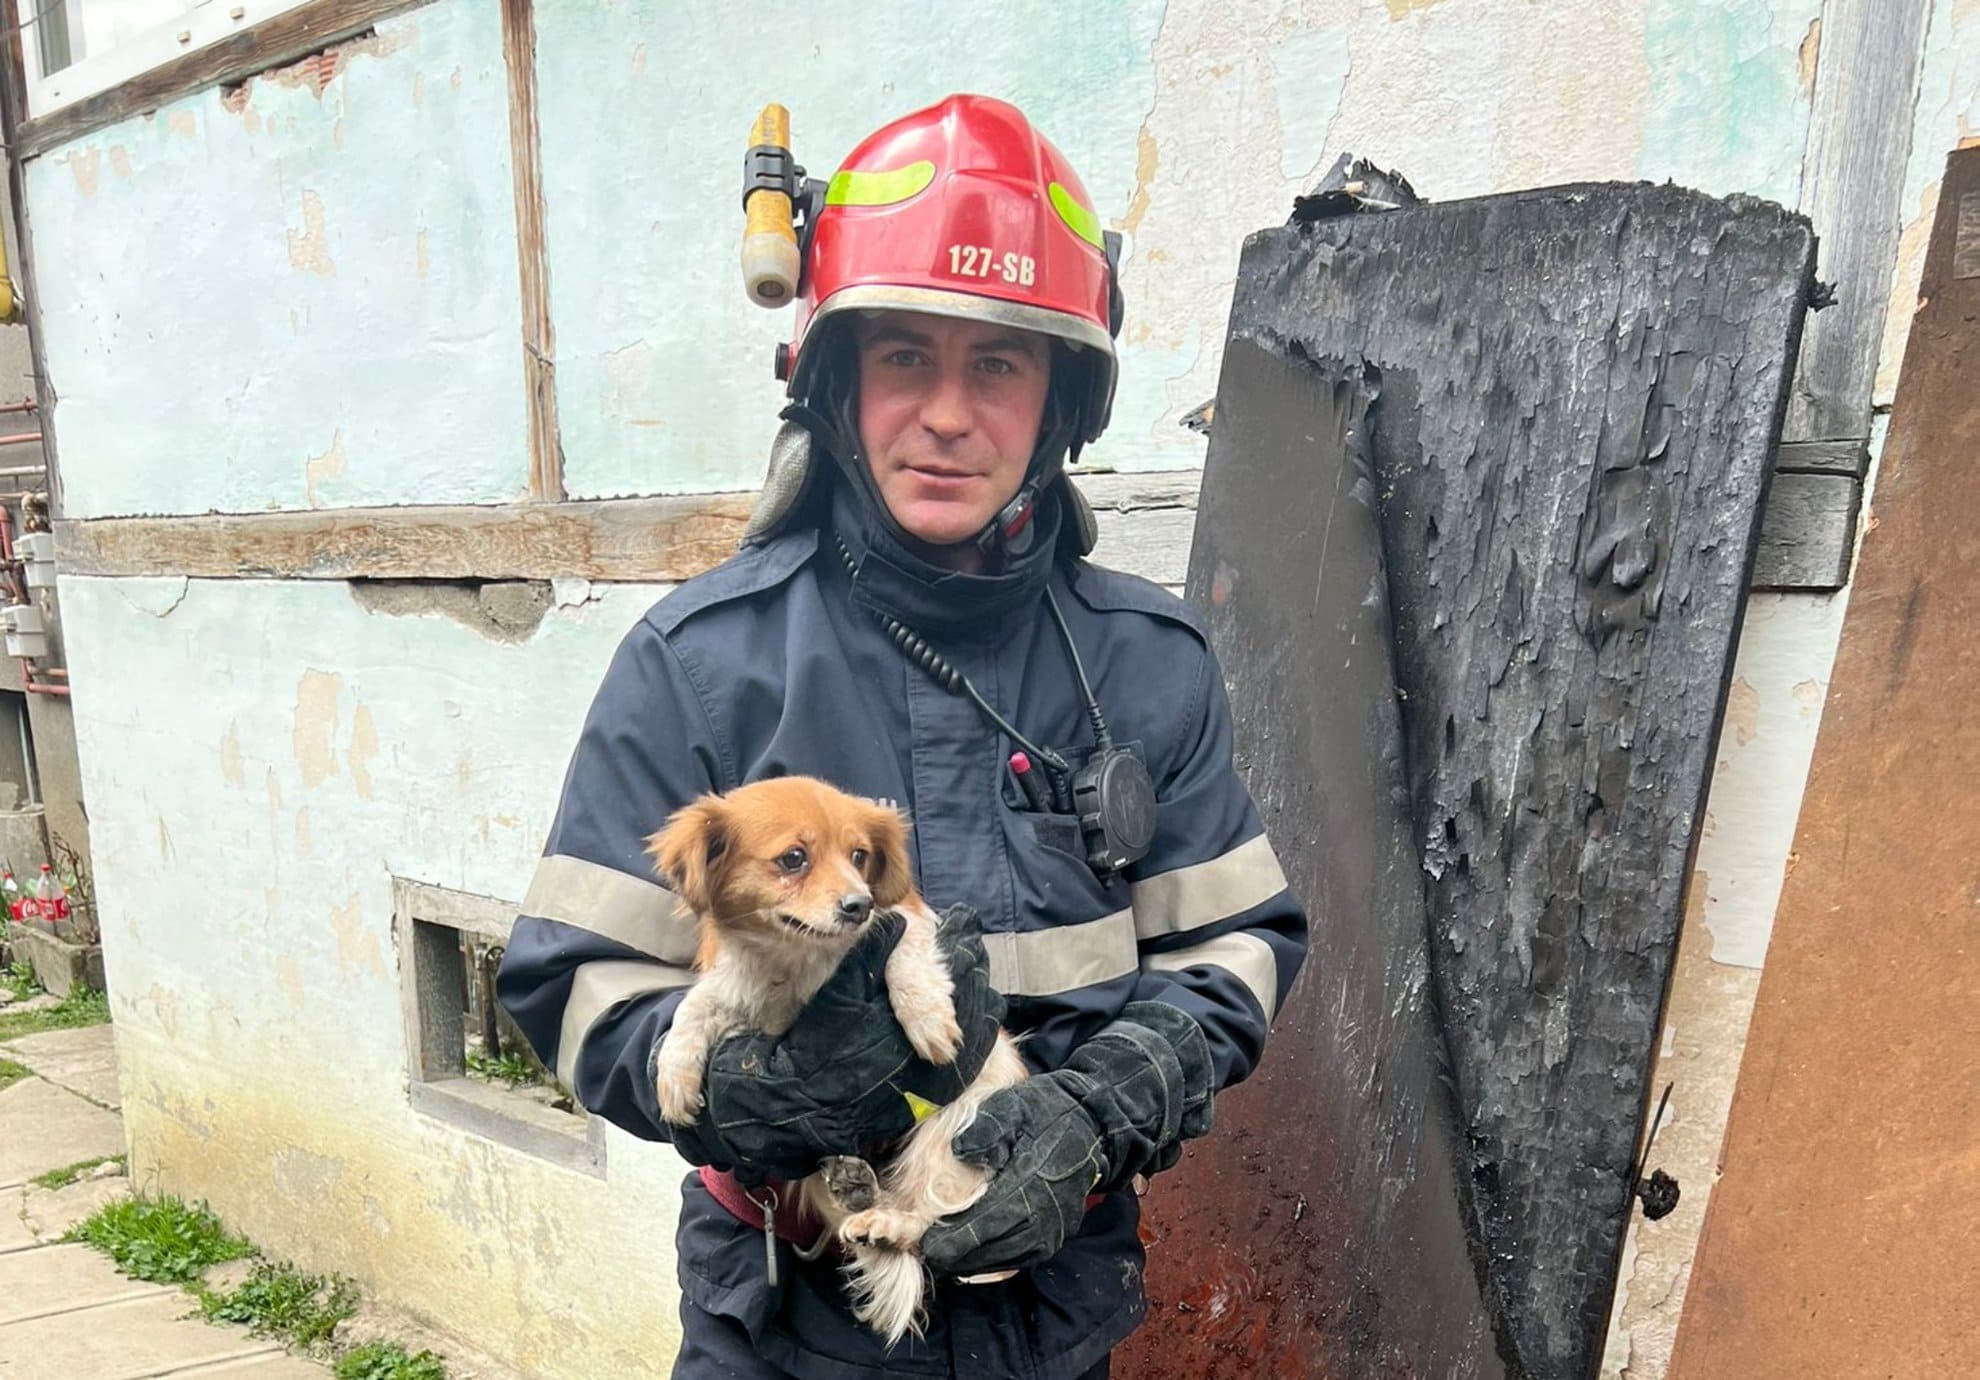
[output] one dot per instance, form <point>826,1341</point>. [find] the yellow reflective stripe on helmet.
<point>1083,222</point>
<point>853,187</point>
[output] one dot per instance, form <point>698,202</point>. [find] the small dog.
<point>786,875</point>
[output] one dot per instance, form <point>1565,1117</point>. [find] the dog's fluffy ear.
<point>692,849</point>
<point>892,877</point>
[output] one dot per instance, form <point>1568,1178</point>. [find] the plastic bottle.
<point>10,894</point>
<point>51,898</point>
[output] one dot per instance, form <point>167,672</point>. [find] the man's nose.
<point>946,410</point>
<point>854,907</point>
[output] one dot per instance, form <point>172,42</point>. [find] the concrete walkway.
<point>65,1312</point>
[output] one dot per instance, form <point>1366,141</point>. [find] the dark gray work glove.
<point>838,1080</point>
<point>1123,1105</point>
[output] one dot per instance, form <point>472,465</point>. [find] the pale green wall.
<point>308,301</point>
<point>1729,98</point>
<point>663,368</point>
<point>260,758</point>
<point>312,300</point>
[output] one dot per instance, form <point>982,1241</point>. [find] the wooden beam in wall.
<point>633,539</point>
<point>637,539</point>
<point>1808,530</point>
<point>539,337</point>
<point>1852,180</point>
<point>282,39</point>
<point>1805,541</point>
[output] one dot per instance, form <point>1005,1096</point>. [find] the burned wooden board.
<point>1574,394</point>
<point>1840,1239</point>
<point>1319,1230</point>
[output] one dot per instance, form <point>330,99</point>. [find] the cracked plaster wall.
<point>301,295</point>
<point>261,758</point>
<point>304,294</point>
<point>1192,123</point>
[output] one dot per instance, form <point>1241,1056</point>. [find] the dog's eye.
<point>860,855</point>
<point>794,860</point>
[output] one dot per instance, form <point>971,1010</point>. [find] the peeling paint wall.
<point>368,238</point>
<point>252,789</point>
<point>301,295</point>
<point>663,372</point>
<point>304,293</point>
<point>1192,123</point>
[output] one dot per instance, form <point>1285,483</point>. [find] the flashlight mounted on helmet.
<point>780,204</point>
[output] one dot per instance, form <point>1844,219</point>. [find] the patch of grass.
<point>69,1173</point>
<point>11,1073</point>
<point>280,1301</point>
<point>512,1069</point>
<point>389,1361</point>
<point>169,1241</point>
<point>19,978</point>
<point>164,1240</point>
<point>81,1007</point>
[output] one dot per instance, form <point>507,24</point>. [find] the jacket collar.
<point>889,578</point>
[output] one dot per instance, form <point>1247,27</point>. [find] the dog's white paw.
<point>889,1229</point>
<point>936,1037</point>
<point>678,1088</point>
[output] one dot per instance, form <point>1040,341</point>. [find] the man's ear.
<point>891,875</point>
<point>691,850</point>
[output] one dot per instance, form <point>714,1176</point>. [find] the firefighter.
<point>912,618</point>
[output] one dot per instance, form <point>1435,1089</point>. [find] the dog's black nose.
<point>853,909</point>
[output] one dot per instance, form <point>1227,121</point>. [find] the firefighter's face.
<point>948,414</point>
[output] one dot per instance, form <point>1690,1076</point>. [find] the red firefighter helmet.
<point>964,209</point>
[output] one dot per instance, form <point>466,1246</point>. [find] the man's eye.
<point>794,860</point>
<point>860,855</point>
<point>902,359</point>
<point>992,364</point>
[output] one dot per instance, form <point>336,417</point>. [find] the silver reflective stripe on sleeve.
<point>628,910</point>
<point>1042,963</point>
<point>598,987</point>
<point>1204,893</point>
<point>1245,957</point>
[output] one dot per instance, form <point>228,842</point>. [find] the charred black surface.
<point>1353,185</point>
<point>1319,1231</point>
<point>1580,390</point>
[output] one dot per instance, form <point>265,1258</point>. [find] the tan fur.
<point>771,934</point>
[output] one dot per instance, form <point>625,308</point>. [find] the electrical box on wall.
<point>27,631</point>
<point>37,552</point>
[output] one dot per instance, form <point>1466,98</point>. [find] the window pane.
<point>51,33</point>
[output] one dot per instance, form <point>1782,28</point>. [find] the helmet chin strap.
<point>1011,532</point>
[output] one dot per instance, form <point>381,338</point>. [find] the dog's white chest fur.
<point>764,986</point>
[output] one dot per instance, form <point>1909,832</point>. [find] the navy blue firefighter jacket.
<point>773,664</point>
